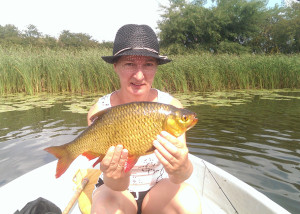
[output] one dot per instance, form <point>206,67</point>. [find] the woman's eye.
<point>149,64</point>
<point>129,64</point>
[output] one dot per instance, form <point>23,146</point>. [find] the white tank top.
<point>148,170</point>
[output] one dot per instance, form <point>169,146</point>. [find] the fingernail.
<point>159,137</point>
<point>119,147</point>
<point>164,133</point>
<point>155,143</point>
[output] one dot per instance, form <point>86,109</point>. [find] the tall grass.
<point>33,71</point>
<point>207,72</point>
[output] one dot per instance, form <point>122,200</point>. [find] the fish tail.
<point>64,158</point>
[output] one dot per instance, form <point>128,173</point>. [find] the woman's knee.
<point>167,197</point>
<point>105,200</point>
<point>188,199</point>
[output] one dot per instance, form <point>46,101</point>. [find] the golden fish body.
<point>133,125</point>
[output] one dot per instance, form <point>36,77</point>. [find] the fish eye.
<point>184,118</point>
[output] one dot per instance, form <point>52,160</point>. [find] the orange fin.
<point>131,161</point>
<point>90,155</point>
<point>64,158</point>
<point>98,160</point>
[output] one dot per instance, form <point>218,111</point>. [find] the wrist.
<point>183,175</point>
<point>120,184</point>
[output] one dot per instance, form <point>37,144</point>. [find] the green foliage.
<point>238,19</point>
<point>186,25</point>
<point>216,48</point>
<point>232,48</point>
<point>280,32</point>
<point>45,70</point>
<point>9,31</point>
<point>286,31</point>
<point>35,70</point>
<point>9,35</point>
<point>209,72</point>
<point>189,26</point>
<point>237,26</point>
<point>31,37</point>
<point>32,31</point>
<point>76,40</point>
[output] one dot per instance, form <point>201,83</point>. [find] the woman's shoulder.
<point>102,103</point>
<point>163,97</point>
<point>176,103</point>
<point>166,98</point>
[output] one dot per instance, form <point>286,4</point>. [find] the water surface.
<point>254,136</point>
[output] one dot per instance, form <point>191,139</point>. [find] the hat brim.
<point>160,59</point>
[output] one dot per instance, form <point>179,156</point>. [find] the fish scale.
<point>133,125</point>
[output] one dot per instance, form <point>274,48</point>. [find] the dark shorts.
<point>138,196</point>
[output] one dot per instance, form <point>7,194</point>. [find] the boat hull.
<point>220,191</point>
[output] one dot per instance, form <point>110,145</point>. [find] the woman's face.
<point>136,73</point>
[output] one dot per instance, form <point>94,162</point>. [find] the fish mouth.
<point>194,122</point>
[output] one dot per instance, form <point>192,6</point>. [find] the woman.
<point>156,182</point>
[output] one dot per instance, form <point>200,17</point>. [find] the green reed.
<point>33,71</point>
<point>207,72</point>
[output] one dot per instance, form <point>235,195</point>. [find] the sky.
<point>98,18</point>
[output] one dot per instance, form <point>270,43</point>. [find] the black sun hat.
<point>139,40</point>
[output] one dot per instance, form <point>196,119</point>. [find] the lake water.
<point>253,135</point>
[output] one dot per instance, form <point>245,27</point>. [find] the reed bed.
<point>33,71</point>
<point>207,72</point>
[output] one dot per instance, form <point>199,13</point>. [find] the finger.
<point>168,143</point>
<point>174,140</point>
<point>163,154</point>
<point>116,157</point>
<point>122,161</point>
<point>162,159</point>
<point>107,159</point>
<point>171,149</point>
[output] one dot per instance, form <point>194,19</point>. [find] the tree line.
<point>10,35</point>
<point>228,26</point>
<point>231,26</point>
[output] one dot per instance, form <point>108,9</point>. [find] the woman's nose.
<point>139,74</point>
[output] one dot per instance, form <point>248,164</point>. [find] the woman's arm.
<point>173,153</point>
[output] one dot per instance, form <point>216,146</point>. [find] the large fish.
<point>133,125</point>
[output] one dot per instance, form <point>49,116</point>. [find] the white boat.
<point>220,191</point>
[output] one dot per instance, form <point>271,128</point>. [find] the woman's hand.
<point>112,167</point>
<point>172,152</point>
